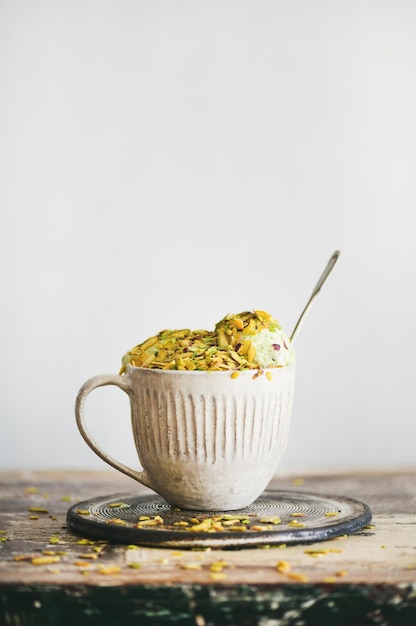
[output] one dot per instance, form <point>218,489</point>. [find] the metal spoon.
<point>325,274</point>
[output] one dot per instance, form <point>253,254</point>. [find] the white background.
<point>165,162</point>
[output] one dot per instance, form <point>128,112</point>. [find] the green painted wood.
<point>297,605</point>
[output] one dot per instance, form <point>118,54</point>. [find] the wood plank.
<point>375,567</point>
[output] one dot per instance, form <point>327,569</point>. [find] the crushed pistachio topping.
<point>232,345</point>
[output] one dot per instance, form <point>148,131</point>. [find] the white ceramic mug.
<point>205,440</point>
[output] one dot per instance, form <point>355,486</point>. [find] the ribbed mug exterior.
<point>208,441</point>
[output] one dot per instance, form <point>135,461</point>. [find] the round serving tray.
<point>276,517</point>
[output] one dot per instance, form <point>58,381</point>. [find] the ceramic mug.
<point>206,440</point>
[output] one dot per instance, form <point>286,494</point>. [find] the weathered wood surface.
<point>366,578</point>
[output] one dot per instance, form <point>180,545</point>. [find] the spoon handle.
<point>324,276</point>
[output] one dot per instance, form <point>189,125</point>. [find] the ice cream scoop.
<point>247,340</point>
<point>259,336</point>
<point>243,341</point>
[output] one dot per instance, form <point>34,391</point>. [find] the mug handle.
<point>93,383</point>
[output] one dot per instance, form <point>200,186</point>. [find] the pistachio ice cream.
<point>248,340</point>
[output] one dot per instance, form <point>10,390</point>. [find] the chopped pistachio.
<point>217,576</point>
<point>192,566</point>
<point>111,569</point>
<point>316,553</point>
<point>89,555</point>
<point>218,566</point>
<point>302,578</point>
<point>295,523</point>
<point>341,573</point>
<point>45,560</point>
<point>24,557</point>
<point>298,481</point>
<point>227,347</point>
<point>283,567</point>
<point>155,521</point>
<point>269,519</point>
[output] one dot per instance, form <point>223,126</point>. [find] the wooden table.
<point>49,576</point>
